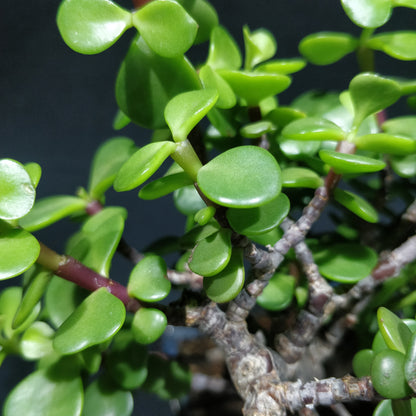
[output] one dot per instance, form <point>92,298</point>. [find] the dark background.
<point>57,106</point>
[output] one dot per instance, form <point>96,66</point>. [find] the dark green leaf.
<point>278,294</point>
<point>223,50</point>
<point>300,178</point>
<point>148,325</point>
<point>368,13</point>
<point>362,361</point>
<point>399,45</point>
<point>356,204</point>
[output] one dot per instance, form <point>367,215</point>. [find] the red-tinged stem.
<point>140,3</point>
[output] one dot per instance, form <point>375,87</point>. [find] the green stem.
<point>187,159</point>
<point>365,56</point>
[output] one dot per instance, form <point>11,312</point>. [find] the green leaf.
<point>19,250</point>
<point>313,128</point>
<point>223,50</point>
<point>120,120</point>
<point>259,220</point>
<point>186,110</point>
<point>260,46</point>
<point>254,87</point>
<point>395,332</point>
<point>368,13</point>
<point>255,130</point>
<point>362,361</point>
<point>242,177</point>
<point>187,200</point>
<point>346,262</point>
<point>142,165</point>
<point>164,185</point>
<point>405,3</point>
<point>147,81</point>
<point>166,27</point>
<point>300,178</point>
<point>356,204</point>
<point>226,285</point>
<point>282,66</point>
<point>371,93</point>
<point>47,392</point>
<point>199,233</point>
<point>35,172</point>
<point>17,193</point>
<point>410,363</point>
<point>49,210</point>
<point>148,281</point>
<point>404,166</point>
<point>405,125</point>
<point>212,254</point>
<point>386,143</point>
<point>96,320</point>
<point>279,292</point>
<point>102,399</point>
<point>316,103</point>
<point>148,325</point>
<point>108,159</point>
<point>36,341</point>
<point>91,26</point>
<point>325,48</point>
<point>347,163</point>
<point>399,45</point>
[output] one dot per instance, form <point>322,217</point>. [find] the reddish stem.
<point>140,3</point>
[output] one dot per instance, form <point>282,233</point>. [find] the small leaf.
<point>260,46</point>
<point>108,159</point>
<point>405,125</point>
<point>300,178</point>
<point>395,332</point>
<point>245,176</point>
<point>186,110</point>
<point>346,262</point>
<point>347,163</point>
<point>35,172</point>
<point>142,165</point>
<point>368,13</point>
<point>187,200</point>
<point>386,143</point>
<point>325,48</point>
<point>165,185</point>
<point>148,325</point>
<point>223,50</point>
<point>204,215</point>
<point>313,128</point>
<point>96,320</point>
<point>17,192</point>
<point>399,45</point>
<point>259,220</point>
<point>120,120</point>
<point>404,166</point>
<point>212,254</point>
<point>226,285</point>
<point>279,292</point>
<point>362,361</point>
<point>356,204</point>
<point>148,281</point>
<point>371,93</point>
<point>255,130</point>
<point>51,209</point>
<point>282,66</point>
<point>166,27</point>
<point>199,233</point>
<point>36,342</point>
<point>91,26</point>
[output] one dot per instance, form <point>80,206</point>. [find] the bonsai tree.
<point>290,319</point>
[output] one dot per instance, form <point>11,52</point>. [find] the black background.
<point>57,106</point>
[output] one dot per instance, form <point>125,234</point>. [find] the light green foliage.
<point>368,13</point>
<point>356,204</point>
<point>399,45</point>
<point>148,325</point>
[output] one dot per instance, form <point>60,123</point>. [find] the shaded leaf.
<point>279,292</point>
<point>356,204</point>
<point>399,45</point>
<point>165,185</point>
<point>223,50</point>
<point>36,341</point>
<point>148,325</point>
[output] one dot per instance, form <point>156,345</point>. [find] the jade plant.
<point>277,302</point>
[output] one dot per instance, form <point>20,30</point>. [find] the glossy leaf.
<point>385,408</point>
<point>212,254</point>
<point>257,129</point>
<point>282,66</point>
<point>47,392</point>
<point>148,281</point>
<point>325,48</point>
<point>368,13</point>
<point>102,399</point>
<point>36,341</point>
<point>404,166</point>
<point>386,143</point>
<point>371,93</point>
<point>255,86</point>
<point>278,294</point>
<point>346,262</point>
<point>300,178</point>
<point>108,159</point>
<point>395,332</point>
<point>51,209</point>
<point>313,128</point>
<point>19,250</point>
<point>204,215</point>
<point>199,233</point>
<point>148,325</point>
<point>223,50</point>
<point>165,185</point>
<point>356,204</point>
<point>142,165</point>
<point>362,361</point>
<point>17,193</point>
<point>260,46</point>
<point>35,172</point>
<point>186,110</point>
<point>259,220</point>
<point>147,81</point>
<point>97,319</point>
<point>399,45</point>
<point>347,163</point>
<point>242,177</point>
<point>91,26</point>
<point>187,200</point>
<point>226,285</point>
<point>378,343</point>
<point>405,3</point>
<point>166,27</point>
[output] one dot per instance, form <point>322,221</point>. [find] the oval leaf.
<point>313,128</point>
<point>204,215</point>
<point>165,185</point>
<point>279,292</point>
<point>187,200</point>
<point>91,26</point>
<point>246,176</point>
<point>255,130</point>
<point>282,66</point>
<point>97,319</point>
<point>399,45</point>
<point>300,178</point>
<point>386,143</point>
<point>148,325</point>
<point>356,204</point>
<point>368,13</point>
